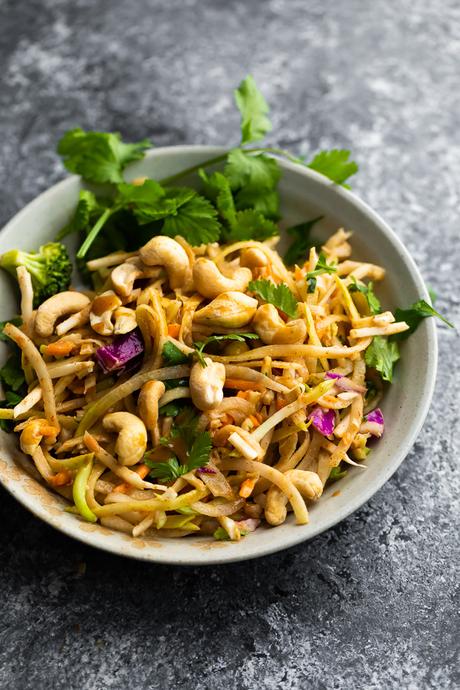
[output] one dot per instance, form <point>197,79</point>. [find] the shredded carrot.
<point>142,471</point>
<point>60,478</point>
<point>247,487</point>
<point>174,330</point>
<point>60,348</point>
<point>254,420</point>
<point>242,385</point>
<point>298,273</point>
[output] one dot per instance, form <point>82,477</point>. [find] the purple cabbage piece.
<point>333,375</point>
<point>121,352</point>
<point>323,420</point>
<point>206,470</point>
<point>376,418</point>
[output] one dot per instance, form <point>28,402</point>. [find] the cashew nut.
<point>125,320</point>
<point>229,310</point>
<point>102,308</point>
<point>308,483</point>
<point>206,384</point>
<point>210,282</point>
<point>271,328</point>
<point>253,257</point>
<point>124,276</point>
<point>56,306</point>
<point>164,251</point>
<point>147,403</point>
<point>132,436</point>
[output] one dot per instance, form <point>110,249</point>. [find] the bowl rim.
<point>161,556</point>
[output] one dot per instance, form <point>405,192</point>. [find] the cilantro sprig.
<point>172,469</point>
<point>368,292</point>
<point>278,295</point>
<point>302,241</point>
<point>240,203</point>
<point>321,267</point>
<point>414,315</point>
<point>382,355</point>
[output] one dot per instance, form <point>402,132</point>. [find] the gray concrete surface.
<point>371,604</point>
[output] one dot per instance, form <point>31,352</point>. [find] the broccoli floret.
<point>50,268</point>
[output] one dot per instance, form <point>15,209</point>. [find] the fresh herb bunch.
<point>198,448</point>
<point>239,203</point>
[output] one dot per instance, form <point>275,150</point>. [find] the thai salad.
<point>196,382</point>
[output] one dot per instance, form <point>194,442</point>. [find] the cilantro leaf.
<point>171,469</point>
<point>172,355</point>
<point>248,224</point>
<point>334,164</point>
<point>251,171</point>
<point>382,354</point>
<point>254,109</point>
<point>251,225</point>
<point>167,471</point>
<point>199,346</point>
<point>414,315</point>
<point>200,451</point>
<point>368,291</point>
<point>302,241</point>
<point>321,267</point>
<point>146,200</point>
<point>11,374</point>
<point>194,218</point>
<point>99,156</point>
<point>278,295</point>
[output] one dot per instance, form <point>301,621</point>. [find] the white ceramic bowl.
<point>305,194</point>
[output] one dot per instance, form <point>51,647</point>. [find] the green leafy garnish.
<point>199,346</point>
<point>321,267</point>
<point>334,164</point>
<point>414,315</point>
<point>382,354</point>
<point>11,373</point>
<point>99,156</point>
<point>255,172</point>
<point>194,218</point>
<point>171,470</point>
<point>368,291</point>
<point>172,355</point>
<point>336,473</point>
<point>171,409</point>
<point>302,241</point>
<point>278,295</point>
<point>254,109</point>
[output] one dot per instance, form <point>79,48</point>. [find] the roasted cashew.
<point>206,384</point>
<point>253,257</point>
<point>124,276</point>
<point>229,310</point>
<point>58,305</point>
<point>210,282</point>
<point>147,403</point>
<point>164,251</point>
<point>102,309</point>
<point>308,483</point>
<point>125,320</point>
<point>132,436</point>
<point>272,330</point>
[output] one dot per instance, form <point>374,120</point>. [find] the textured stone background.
<point>371,603</point>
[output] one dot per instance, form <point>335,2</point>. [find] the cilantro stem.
<point>94,232</point>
